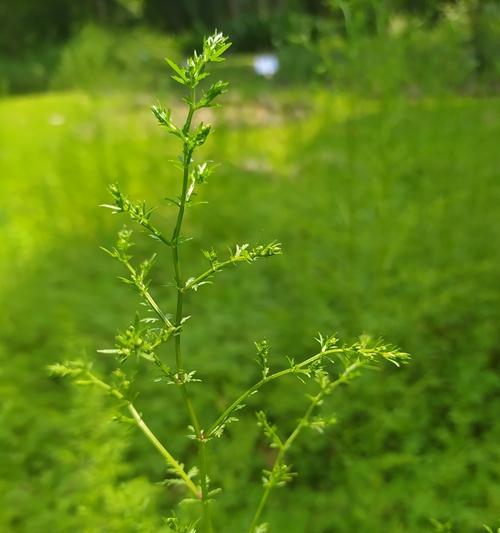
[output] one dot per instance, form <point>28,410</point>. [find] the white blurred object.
<point>266,65</point>
<point>56,119</point>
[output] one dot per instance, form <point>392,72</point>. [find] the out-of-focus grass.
<point>388,215</point>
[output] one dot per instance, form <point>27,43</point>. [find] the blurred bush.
<point>98,58</point>
<point>29,73</point>
<point>361,45</point>
<point>399,54</point>
<point>485,37</point>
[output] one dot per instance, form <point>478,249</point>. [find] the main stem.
<point>187,154</point>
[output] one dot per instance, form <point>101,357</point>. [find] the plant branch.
<point>163,451</point>
<point>353,357</point>
<point>254,388</point>
<point>144,292</point>
<point>242,254</point>
<point>139,421</point>
<point>156,233</point>
<point>278,465</point>
<point>193,282</point>
<point>278,462</point>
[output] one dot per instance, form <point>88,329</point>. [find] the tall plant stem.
<point>187,155</point>
<point>207,514</point>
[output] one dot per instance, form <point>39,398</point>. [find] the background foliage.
<point>373,156</point>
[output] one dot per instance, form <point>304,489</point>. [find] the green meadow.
<point>388,214</point>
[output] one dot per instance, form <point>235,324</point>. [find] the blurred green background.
<point>372,155</point>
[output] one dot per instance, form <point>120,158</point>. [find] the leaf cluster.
<point>140,339</point>
<point>241,254</point>
<point>194,71</point>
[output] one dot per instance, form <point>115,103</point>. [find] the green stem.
<point>212,270</point>
<point>176,466</point>
<point>156,308</point>
<point>280,458</point>
<point>175,239</point>
<point>149,299</point>
<point>204,487</point>
<point>155,232</point>
<point>188,152</point>
<point>254,388</point>
<point>315,401</point>
<point>260,508</point>
<point>163,451</point>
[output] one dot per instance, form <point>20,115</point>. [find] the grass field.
<point>388,214</point>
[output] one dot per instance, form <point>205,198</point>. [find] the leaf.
<point>68,368</point>
<point>181,76</point>
<point>270,430</point>
<point>215,90</point>
<point>262,357</point>
<point>112,207</point>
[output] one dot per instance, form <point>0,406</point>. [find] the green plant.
<point>334,363</point>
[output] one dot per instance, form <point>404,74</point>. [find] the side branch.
<point>281,473</point>
<point>360,354</point>
<point>143,290</point>
<point>163,451</point>
<point>137,212</point>
<point>194,283</point>
<point>295,369</point>
<point>241,254</point>
<point>139,421</point>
